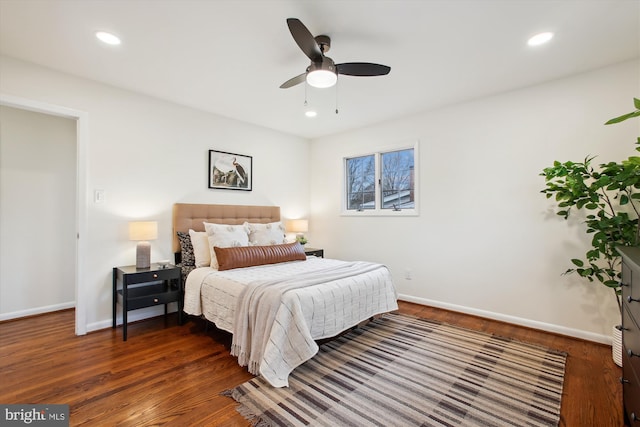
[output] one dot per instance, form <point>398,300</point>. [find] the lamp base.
<point>143,255</point>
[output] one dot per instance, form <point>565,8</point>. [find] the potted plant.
<point>611,194</point>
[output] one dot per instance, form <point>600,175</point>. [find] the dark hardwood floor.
<point>173,375</point>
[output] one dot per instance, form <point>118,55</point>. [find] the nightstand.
<point>136,288</point>
<point>314,252</point>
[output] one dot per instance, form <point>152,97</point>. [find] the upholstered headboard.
<point>192,216</point>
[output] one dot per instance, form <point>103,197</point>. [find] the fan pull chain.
<point>336,97</point>
<point>305,93</point>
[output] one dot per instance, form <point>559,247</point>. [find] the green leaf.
<point>623,118</point>
<point>611,283</point>
<point>577,262</point>
<point>592,254</point>
<point>632,160</point>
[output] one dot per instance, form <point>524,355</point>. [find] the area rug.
<point>405,371</point>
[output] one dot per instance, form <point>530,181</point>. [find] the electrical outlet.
<point>408,274</point>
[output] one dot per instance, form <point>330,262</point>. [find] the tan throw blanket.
<point>271,335</point>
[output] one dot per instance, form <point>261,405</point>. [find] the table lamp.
<point>298,226</point>
<point>143,231</point>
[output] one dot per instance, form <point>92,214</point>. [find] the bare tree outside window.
<point>361,183</point>
<point>397,181</point>
<point>382,183</point>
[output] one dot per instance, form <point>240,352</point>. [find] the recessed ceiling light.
<point>310,113</point>
<point>108,38</point>
<point>539,39</point>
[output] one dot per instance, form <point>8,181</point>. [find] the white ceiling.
<point>230,57</point>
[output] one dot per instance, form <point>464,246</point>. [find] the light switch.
<point>99,196</point>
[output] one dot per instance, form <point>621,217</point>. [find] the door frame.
<point>82,150</point>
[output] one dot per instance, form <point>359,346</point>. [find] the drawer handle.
<point>629,299</point>
<point>155,276</point>
<point>621,328</point>
<point>630,353</point>
<point>156,300</point>
<point>623,381</point>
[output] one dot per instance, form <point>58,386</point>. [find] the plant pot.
<point>616,346</point>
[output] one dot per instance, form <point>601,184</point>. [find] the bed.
<point>273,299</point>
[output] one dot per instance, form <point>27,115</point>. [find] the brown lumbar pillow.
<point>248,256</point>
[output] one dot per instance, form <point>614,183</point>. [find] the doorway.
<point>77,223</point>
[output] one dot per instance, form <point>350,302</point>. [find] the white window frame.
<point>378,211</point>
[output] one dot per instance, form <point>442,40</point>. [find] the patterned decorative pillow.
<point>226,236</point>
<point>186,249</point>
<point>186,269</point>
<point>272,233</point>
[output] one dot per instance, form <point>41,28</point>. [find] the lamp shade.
<point>298,225</point>
<point>143,230</point>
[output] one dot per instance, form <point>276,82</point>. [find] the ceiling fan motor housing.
<point>324,42</point>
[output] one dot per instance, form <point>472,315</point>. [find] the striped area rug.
<point>405,371</point>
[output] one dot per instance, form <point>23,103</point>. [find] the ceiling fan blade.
<point>304,39</point>
<point>362,69</point>
<point>294,81</point>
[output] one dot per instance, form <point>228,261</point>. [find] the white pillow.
<point>201,252</point>
<point>266,234</point>
<point>225,236</point>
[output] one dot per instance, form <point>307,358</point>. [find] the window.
<point>361,179</point>
<point>381,183</point>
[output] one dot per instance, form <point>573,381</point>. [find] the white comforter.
<point>304,307</point>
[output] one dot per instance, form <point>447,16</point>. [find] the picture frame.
<point>230,171</point>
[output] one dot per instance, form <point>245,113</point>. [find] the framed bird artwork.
<point>230,171</point>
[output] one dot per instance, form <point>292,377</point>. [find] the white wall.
<point>37,212</point>
<point>486,240</point>
<point>148,154</point>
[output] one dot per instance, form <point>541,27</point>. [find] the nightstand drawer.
<point>630,285</point>
<point>630,390</point>
<point>631,340</point>
<point>135,302</point>
<point>152,276</point>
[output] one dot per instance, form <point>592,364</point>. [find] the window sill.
<point>377,212</point>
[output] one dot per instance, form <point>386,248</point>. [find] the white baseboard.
<point>159,310</point>
<point>534,324</point>
<point>37,310</point>
<point>132,316</point>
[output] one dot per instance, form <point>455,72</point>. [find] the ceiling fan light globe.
<point>322,78</point>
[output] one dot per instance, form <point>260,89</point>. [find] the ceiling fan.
<point>323,72</point>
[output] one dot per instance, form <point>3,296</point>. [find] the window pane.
<point>361,182</point>
<point>397,180</point>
